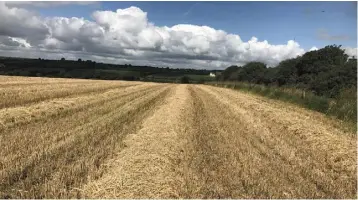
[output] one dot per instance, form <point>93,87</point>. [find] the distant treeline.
<point>93,70</point>
<point>325,72</point>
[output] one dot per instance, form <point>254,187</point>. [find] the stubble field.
<point>70,138</point>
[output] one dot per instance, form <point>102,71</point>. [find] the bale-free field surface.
<point>70,138</point>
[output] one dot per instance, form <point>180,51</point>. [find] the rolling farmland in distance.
<point>72,138</point>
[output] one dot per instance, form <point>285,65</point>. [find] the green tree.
<point>322,60</point>
<point>286,72</point>
<point>253,72</point>
<point>325,71</point>
<point>228,72</point>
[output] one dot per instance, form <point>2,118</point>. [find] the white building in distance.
<point>212,74</point>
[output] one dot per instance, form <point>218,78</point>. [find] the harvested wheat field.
<point>68,138</point>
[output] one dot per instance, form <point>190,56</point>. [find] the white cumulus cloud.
<point>351,52</point>
<point>314,48</point>
<point>126,36</point>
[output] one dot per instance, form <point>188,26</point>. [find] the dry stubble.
<point>115,139</point>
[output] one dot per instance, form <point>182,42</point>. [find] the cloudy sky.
<point>211,35</point>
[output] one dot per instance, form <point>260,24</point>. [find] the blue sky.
<point>309,23</point>
<point>176,34</point>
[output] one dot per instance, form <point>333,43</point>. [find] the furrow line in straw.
<point>10,117</point>
<point>249,140</point>
<point>24,84</point>
<point>16,148</point>
<point>293,153</point>
<point>328,124</point>
<point>328,150</point>
<point>208,160</point>
<point>6,79</point>
<point>82,152</point>
<point>240,165</point>
<point>23,97</point>
<point>148,165</point>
